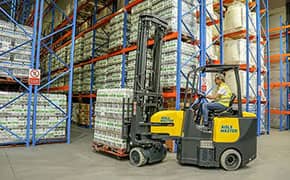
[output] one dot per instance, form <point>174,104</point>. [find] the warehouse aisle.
<point>76,161</point>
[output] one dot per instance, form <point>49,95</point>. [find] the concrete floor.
<point>77,162</point>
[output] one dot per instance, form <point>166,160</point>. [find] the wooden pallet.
<point>119,153</point>
<point>237,33</point>
<point>12,145</point>
<point>9,80</point>
<point>81,125</point>
<point>116,48</point>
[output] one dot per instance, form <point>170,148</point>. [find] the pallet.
<point>51,141</point>
<point>172,89</point>
<point>40,142</point>
<point>16,145</point>
<point>118,153</point>
<point>81,125</point>
<point>237,33</point>
<point>116,48</point>
<point>9,80</point>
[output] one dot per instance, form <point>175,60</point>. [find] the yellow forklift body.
<point>168,116</point>
<point>227,129</point>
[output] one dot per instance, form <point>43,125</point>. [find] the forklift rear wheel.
<point>231,160</point>
<point>164,152</point>
<point>137,157</point>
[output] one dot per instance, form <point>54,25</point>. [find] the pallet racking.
<point>283,84</point>
<point>39,42</point>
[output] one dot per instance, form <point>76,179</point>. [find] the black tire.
<point>164,153</point>
<point>231,160</point>
<point>137,157</point>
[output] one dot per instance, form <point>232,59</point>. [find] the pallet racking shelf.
<point>204,20</point>
<point>284,83</point>
<point>10,16</point>
<point>34,93</point>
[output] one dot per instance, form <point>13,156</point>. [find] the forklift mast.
<point>147,96</point>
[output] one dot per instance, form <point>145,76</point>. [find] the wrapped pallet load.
<point>235,52</point>
<point>18,60</point>
<point>108,122</point>
<point>100,74</point>
<point>130,68</point>
<point>168,10</point>
<point>117,31</point>
<point>144,7</point>
<point>235,19</point>
<point>114,72</point>
<point>169,61</point>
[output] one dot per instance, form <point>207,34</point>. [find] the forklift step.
<point>145,134</point>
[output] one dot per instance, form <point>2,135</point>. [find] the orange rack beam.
<point>244,101</point>
<point>169,94</point>
<point>226,2</point>
<point>275,111</point>
<point>279,28</point>
<point>251,68</point>
<point>278,84</point>
<point>85,95</point>
<point>209,21</point>
<point>62,88</point>
<point>275,58</point>
<point>238,34</point>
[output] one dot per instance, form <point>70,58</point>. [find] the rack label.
<point>34,77</point>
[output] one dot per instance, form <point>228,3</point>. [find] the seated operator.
<point>220,98</point>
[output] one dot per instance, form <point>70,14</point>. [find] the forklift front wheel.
<point>231,160</point>
<point>137,157</point>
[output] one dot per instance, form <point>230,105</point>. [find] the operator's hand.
<point>210,97</point>
<point>201,94</point>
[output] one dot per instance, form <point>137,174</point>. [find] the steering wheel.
<point>201,94</point>
<point>201,98</point>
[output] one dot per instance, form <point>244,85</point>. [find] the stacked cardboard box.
<point>86,78</point>
<point>101,42</point>
<point>79,50</point>
<point>48,116</point>
<point>169,58</point>
<point>100,74</point>
<point>17,61</point>
<point>114,72</point>
<point>108,122</point>
<point>117,31</point>
<point>131,67</point>
<point>167,10</point>
<point>14,117</point>
<point>81,114</point>
<point>143,8</point>
<point>77,81</point>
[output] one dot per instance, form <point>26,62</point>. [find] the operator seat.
<point>227,110</point>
